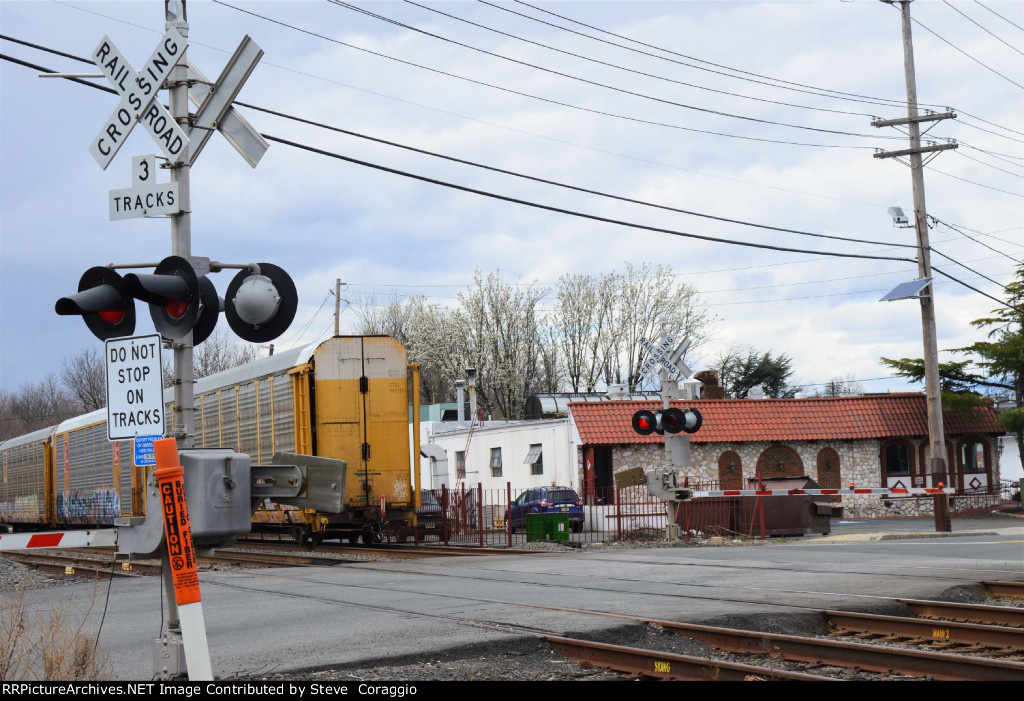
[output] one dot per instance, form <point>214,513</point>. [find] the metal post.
<point>181,227</point>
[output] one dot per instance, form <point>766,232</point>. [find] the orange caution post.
<point>170,479</point>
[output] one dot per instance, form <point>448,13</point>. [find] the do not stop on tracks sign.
<point>135,403</point>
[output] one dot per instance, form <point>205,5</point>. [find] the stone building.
<point>869,441</point>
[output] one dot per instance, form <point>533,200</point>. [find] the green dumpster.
<point>536,527</point>
<point>558,526</point>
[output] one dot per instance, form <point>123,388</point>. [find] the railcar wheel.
<point>353,538</point>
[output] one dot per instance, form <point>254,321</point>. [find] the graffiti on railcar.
<point>97,506</point>
<point>23,508</point>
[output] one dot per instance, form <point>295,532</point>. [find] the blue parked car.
<point>545,500</point>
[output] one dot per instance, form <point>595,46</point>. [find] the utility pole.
<point>936,432</point>
<point>337,305</point>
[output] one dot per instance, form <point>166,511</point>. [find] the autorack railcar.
<point>347,398</point>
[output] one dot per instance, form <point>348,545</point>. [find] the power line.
<point>984,29</point>
<point>1000,16</point>
<point>972,182</point>
<point>822,92</point>
<point>556,183</point>
<point>983,294</point>
<point>619,67</point>
<point>980,243</point>
<point>619,222</point>
<point>550,208</point>
<point>1001,170</point>
<point>541,136</point>
<point>561,210</point>
<point>559,103</point>
<point>513,173</point>
<point>980,63</point>
<point>785,84</point>
<point>40,68</point>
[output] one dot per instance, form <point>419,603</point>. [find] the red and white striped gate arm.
<point>881,491</point>
<point>59,539</point>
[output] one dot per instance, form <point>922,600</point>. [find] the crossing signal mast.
<point>664,482</point>
<point>260,305</point>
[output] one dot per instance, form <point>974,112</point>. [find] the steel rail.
<point>76,565</point>
<point>841,653</point>
<point>669,666</point>
<point>1014,590</point>
<point>968,613</point>
<point>928,630</point>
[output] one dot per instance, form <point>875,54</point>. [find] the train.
<point>350,398</point>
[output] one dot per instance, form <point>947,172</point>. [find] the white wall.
<point>1009,461</point>
<point>514,439</point>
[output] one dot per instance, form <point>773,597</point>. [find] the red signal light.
<point>176,308</point>
<point>644,422</point>
<point>112,317</point>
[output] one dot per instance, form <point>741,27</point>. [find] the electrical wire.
<point>561,210</point>
<point>983,294</point>
<point>1001,170</point>
<point>972,182</point>
<point>968,236</point>
<point>980,63</point>
<point>744,75</point>
<point>824,92</point>
<point>539,98</point>
<point>556,183</point>
<point>562,141</point>
<point>1000,16</point>
<point>629,70</point>
<point>295,334</point>
<point>554,209</point>
<point>962,265</point>
<point>987,31</point>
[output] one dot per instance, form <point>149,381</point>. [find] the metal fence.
<point>471,515</point>
<point>972,501</point>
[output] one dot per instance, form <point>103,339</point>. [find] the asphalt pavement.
<point>996,523</point>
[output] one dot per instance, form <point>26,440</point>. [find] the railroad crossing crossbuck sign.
<point>139,104</point>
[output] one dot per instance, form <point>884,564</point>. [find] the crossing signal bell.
<point>102,303</point>
<point>664,421</point>
<point>260,306</point>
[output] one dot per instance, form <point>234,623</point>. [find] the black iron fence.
<point>471,515</point>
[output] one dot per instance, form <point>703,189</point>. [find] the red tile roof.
<point>810,419</point>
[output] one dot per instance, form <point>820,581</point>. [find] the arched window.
<point>779,461</point>
<point>828,469</point>
<point>972,456</point>
<point>730,470</point>
<point>897,462</point>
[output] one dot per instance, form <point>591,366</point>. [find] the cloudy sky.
<point>754,111</point>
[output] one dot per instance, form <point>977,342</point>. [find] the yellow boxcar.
<point>347,398</point>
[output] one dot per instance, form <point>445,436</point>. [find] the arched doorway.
<point>730,470</point>
<point>779,461</point>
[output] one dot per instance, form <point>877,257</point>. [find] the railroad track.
<point>396,550</point>
<point>99,563</point>
<point>984,661</point>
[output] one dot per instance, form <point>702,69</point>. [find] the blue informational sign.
<point>144,455</point>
